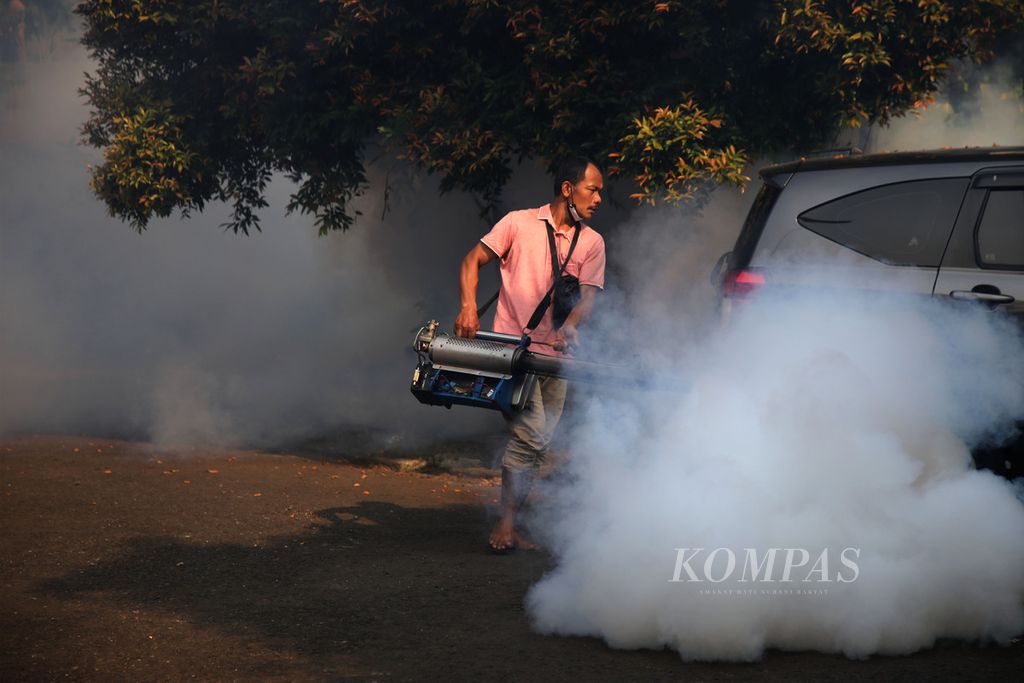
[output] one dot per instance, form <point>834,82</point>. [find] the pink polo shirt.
<point>520,240</point>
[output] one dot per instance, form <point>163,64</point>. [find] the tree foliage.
<point>194,101</point>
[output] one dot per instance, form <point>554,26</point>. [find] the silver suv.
<point>946,223</point>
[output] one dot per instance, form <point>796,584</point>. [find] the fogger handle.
<point>485,335</point>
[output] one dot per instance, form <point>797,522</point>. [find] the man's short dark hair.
<point>572,169</point>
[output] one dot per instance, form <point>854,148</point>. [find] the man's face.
<point>587,192</point>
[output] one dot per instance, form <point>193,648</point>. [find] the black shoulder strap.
<point>554,251</point>
<point>542,307</point>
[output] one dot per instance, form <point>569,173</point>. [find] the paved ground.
<point>120,562</point>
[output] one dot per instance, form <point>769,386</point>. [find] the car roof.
<point>845,159</point>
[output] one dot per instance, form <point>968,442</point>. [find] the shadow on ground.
<point>369,577</point>
<point>410,594</point>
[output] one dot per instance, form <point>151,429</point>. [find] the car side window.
<point>1000,235</point>
<point>902,223</point>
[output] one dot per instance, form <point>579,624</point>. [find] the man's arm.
<point>467,322</point>
<point>568,337</point>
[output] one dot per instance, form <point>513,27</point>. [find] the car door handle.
<point>985,297</point>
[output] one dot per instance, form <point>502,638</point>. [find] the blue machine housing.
<point>445,387</point>
<point>483,372</point>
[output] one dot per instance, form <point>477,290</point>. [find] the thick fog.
<point>809,486</point>
<point>190,334</point>
<point>824,424</point>
<point>817,426</point>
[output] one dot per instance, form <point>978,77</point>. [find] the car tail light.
<point>740,284</point>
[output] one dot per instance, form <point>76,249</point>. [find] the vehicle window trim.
<point>1013,179</point>
<point>754,225</point>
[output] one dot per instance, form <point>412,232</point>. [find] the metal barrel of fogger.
<point>487,355</point>
<point>478,356</point>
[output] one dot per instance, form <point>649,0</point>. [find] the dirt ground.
<point>121,562</point>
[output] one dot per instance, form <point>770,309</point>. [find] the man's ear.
<point>566,189</point>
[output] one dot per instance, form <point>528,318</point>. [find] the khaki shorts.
<point>533,426</point>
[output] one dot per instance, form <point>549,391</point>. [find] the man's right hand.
<point>467,323</point>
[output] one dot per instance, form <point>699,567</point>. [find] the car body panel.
<point>963,267</point>
<point>776,251</point>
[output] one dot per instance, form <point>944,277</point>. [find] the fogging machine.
<point>493,370</point>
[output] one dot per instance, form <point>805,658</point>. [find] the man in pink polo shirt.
<point>520,243</point>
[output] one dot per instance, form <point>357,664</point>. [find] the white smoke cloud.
<point>818,423</point>
<point>188,333</point>
<point>992,113</point>
<point>822,424</point>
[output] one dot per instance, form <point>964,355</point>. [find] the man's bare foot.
<point>505,538</point>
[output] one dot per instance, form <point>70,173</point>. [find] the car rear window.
<point>902,223</point>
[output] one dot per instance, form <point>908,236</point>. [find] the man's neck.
<point>560,217</point>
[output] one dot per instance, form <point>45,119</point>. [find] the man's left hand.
<point>567,339</point>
